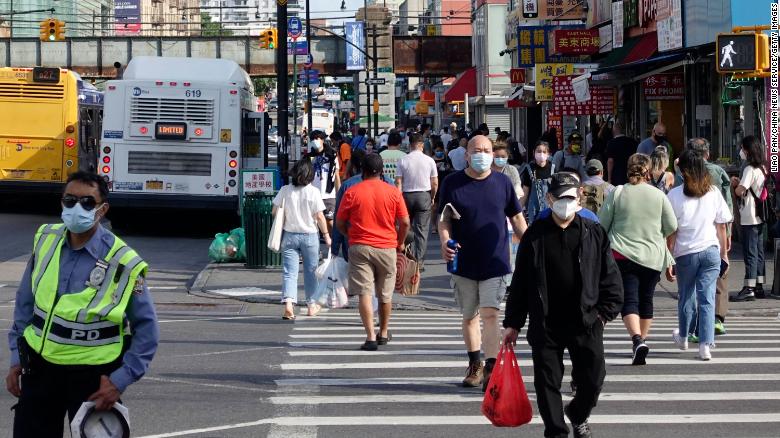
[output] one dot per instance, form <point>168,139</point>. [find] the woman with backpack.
<point>751,191</point>
<point>535,178</point>
<point>637,233</point>
<point>326,173</point>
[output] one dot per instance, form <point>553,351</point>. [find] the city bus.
<point>321,119</point>
<point>177,132</point>
<point>50,127</point>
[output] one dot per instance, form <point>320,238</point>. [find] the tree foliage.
<point>210,28</point>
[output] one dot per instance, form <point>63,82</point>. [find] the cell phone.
<point>724,267</point>
<point>530,8</point>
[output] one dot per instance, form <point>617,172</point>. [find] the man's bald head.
<point>480,143</point>
<point>659,129</point>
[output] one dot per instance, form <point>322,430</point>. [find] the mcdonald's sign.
<point>517,76</point>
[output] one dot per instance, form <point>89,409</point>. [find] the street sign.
<point>741,52</point>
<point>302,59</point>
<point>309,60</point>
<point>385,69</point>
<point>294,27</point>
<point>375,81</point>
<point>297,47</point>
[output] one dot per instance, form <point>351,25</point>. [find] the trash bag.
<point>322,270</point>
<point>222,249</point>
<point>506,403</point>
<point>238,239</point>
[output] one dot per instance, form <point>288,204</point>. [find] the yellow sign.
<point>421,107</point>
<point>544,81</point>
<point>282,2</point>
<point>376,106</point>
<point>225,135</point>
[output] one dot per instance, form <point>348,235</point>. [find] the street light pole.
<point>283,91</point>
<point>368,89</point>
<point>308,89</point>
<point>376,87</point>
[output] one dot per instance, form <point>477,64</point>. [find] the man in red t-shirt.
<point>367,216</point>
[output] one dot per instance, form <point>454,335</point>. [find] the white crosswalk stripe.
<point>415,379</point>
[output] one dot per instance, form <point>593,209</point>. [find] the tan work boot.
<point>473,375</point>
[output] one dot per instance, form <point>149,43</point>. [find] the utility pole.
<point>282,87</point>
<point>376,87</point>
<point>308,88</point>
<point>368,89</point>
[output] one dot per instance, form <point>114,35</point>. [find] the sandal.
<point>314,309</point>
<point>288,316</point>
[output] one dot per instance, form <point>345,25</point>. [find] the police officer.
<point>70,341</point>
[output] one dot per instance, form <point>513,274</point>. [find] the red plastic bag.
<point>506,403</point>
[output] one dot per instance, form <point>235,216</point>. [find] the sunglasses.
<point>88,202</point>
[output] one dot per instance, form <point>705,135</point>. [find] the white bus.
<point>321,118</point>
<point>177,132</point>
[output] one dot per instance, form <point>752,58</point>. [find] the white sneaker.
<point>704,352</point>
<point>682,342</point>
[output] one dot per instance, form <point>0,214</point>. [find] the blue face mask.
<point>481,161</point>
<point>77,220</point>
<point>439,154</point>
<point>500,162</point>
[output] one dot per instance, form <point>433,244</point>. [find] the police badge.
<point>98,274</point>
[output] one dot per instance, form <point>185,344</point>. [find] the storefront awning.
<point>643,64</point>
<point>466,83</point>
<point>634,50</point>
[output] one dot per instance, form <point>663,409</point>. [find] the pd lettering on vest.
<point>89,335</point>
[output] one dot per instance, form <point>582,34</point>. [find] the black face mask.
<point>660,139</point>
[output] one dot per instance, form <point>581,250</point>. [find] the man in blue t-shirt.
<point>359,142</point>
<point>475,204</point>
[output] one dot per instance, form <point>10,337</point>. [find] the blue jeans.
<point>753,252</point>
<point>293,246</point>
<point>697,274</point>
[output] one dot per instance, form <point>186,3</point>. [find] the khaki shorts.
<point>372,270</point>
<point>470,294</point>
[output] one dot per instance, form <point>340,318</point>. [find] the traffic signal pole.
<point>376,87</point>
<point>282,87</point>
<point>308,89</point>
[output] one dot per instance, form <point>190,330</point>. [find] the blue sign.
<point>309,61</point>
<point>356,45</point>
<point>533,46</point>
<point>294,27</point>
<point>297,47</point>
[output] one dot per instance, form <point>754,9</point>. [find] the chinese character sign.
<point>532,45</point>
<point>602,100</point>
<point>544,79</point>
<point>561,10</point>
<point>665,86</point>
<point>576,41</point>
<point>258,181</point>
<point>356,45</point>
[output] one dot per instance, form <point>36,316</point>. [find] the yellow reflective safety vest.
<point>87,327</point>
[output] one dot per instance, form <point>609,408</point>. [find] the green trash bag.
<point>238,239</point>
<point>222,249</point>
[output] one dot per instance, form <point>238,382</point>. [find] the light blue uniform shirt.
<point>75,267</point>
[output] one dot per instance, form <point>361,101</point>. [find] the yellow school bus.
<point>50,123</point>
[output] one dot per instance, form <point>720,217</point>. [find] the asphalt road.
<point>231,369</point>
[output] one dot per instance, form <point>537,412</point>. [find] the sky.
<point>332,8</point>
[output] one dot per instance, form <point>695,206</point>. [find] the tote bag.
<point>275,235</point>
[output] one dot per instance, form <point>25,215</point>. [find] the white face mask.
<point>565,208</point>
<point>540,157</point>
<point>315,145</point>
<point>742,154</point>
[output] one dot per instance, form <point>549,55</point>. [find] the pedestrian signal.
<point>742,52</point>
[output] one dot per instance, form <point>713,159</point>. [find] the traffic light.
<point>52,30</point>
<point>268,39</point>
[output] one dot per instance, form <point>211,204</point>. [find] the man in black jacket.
<point>567,280</point>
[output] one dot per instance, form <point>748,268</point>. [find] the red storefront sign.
<point>576,41</point>
<point>664,86</point>
<point>602,99</point>
<point>517,76</point>
<point>555,120</point>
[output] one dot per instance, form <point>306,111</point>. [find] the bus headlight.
<point>106,169</point>
<point>233,164</point>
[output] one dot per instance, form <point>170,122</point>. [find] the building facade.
<point>247,17</point>
<point>82,17</point>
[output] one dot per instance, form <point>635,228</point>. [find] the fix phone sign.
<point>530,8</point>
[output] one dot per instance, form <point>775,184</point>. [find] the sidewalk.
<point>233,280</point>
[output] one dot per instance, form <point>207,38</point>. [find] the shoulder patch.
<point>139,286</point>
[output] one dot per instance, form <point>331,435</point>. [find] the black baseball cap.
<point>564,185</point>
<point>575,135</point>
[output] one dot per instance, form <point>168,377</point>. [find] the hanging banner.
<point>127,17</point>
<point>617,24</point>
<point>581,88</point>
<point>544,79</point>
<point>664,86</point>
<point>669,26</point>
<point>555,120</point>
<point>355,33</point>
<point>602,100</point>
<point>605,38</point>
<point>576,41</point>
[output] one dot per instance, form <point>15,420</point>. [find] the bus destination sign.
<point>170,131</point>
<point>44,74</point>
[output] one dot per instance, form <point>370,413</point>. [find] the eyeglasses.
<point>88,202</point>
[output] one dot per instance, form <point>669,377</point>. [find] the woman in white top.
<point>303,215</point>
<point>747,189</point>
<point>699,246</point>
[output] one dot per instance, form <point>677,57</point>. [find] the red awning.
<point>644,49</point>
<point>466,83</point>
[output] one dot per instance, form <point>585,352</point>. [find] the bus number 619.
<point>192,93</point>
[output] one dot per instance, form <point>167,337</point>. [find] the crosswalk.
<point>411,387</point>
